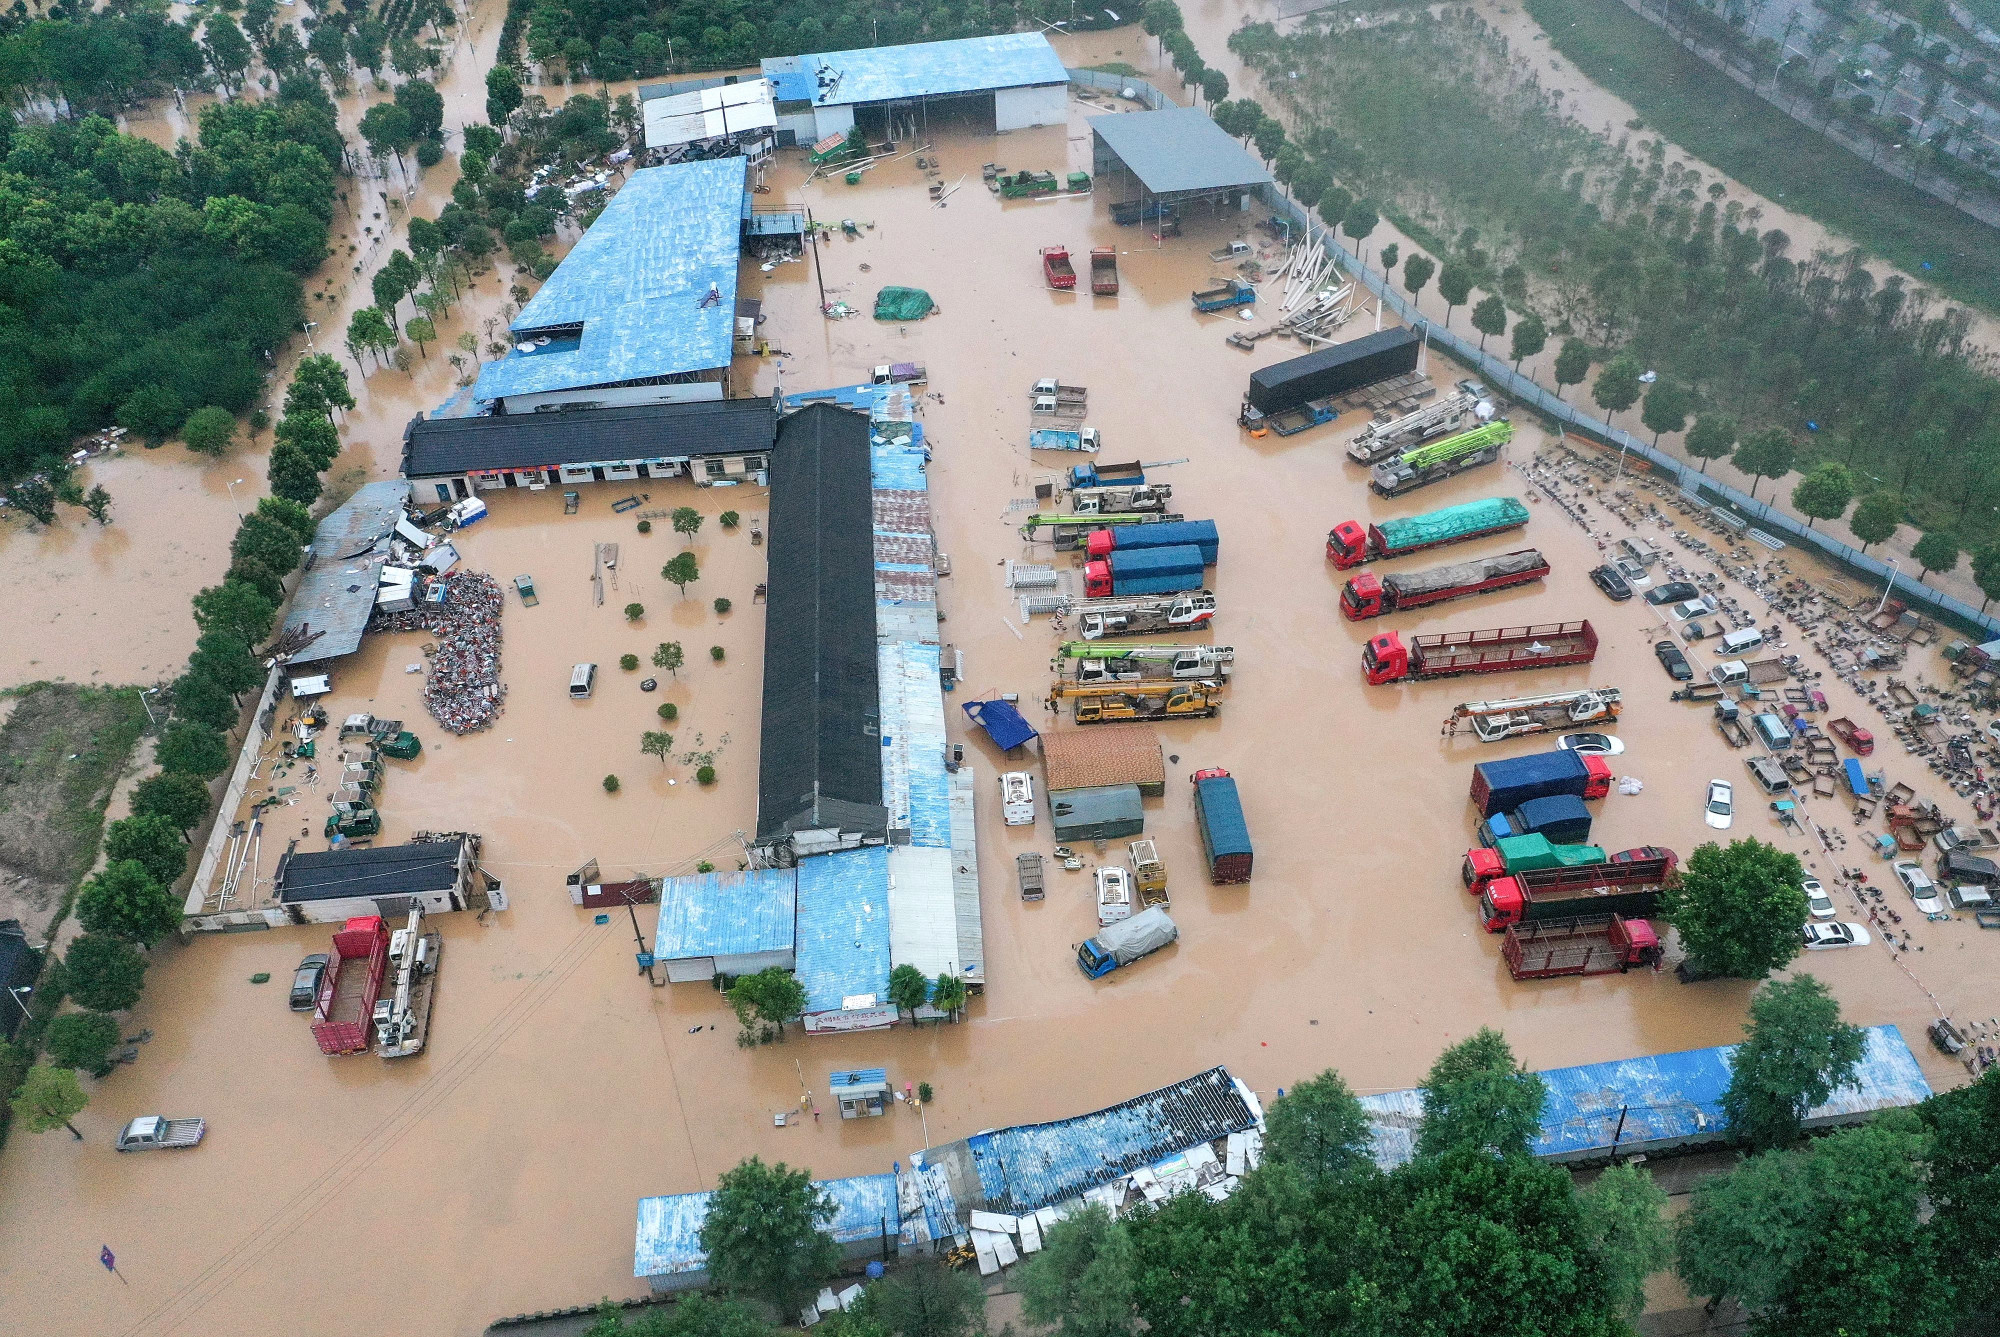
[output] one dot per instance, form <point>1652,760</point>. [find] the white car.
<point>1017,798</point>
<point>1818,937</point>
<point>1114,894</point>
<point>1818,901</point>
<point>1592,744</point>
<point>1721,809</point>
<point>1692,608</point>
<point>1918,883</point>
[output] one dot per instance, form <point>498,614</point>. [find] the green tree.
<point>1161,17</point>
<point>1082,1282</point>
<point>765,1233</point>
<point>124,901</point>
<point>948,993</point>
<point>180,799</point>
<point>192,749</point>
<point>1572,364</point>
<point>421,331</point>
<point>1531,336</point>
<point>154,843</point>
<point>1214,86</point>
<point>928,1299</point>
<point>1417,271</point>
<point>103,973</point>
<point>1476,1096</point>
<point>770,998</point>
<point>293,475</point>
<point>325,374</point>
<point>1617,386</point>
<point>388,289</point>
<point>312,435</point>
<point>669,656</point>
<point>634,611</point>
<point>503,93</point>
<point>274,544</point>
<point>81,1040</point>
<point>237,608</point>
<point>227,660</point>
<point>1965,1185</point>
<point>1666,407</point>
<point>369,329</point>
<point>1935,550</point>
<point>1454,285</point>
<point>386,129</point>
<point>1770,453</point>
<point>1489,317</point>
<point>694,1316</point>
<point>1795,1053</point>
<point>1391,254</point>
<point>1875,518</point>
<point>1738,908</point>
<point>1310,184</point>
<point>1712,437</point>
<point>1358,222</point>
<point>200,699</point>
<point>153,411</point>
<point>1320,1130</point>
<point>682,571</point>
<point>1269,138</point>
<point>425,106</point>
<point>1986,573</point>
<point>259,578</point>
<point>49,1098</point>
<point>228,48</point>
<point>656,744</point>
<point>1624,1224</point>
<point>686,521</point>
<point>908,989</point>
<point>1824,492</point>
<point>209,431</point>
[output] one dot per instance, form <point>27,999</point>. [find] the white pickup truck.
<point>151,1131</point>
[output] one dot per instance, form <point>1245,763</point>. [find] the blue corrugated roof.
<point>857,1077</point>
<point>925,69</point>
<point>636,283</point>
<point>843,926</point>
<point>727,914</point>
<point>668,1240</point>
<point>1664,1098</point>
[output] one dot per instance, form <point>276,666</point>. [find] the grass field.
<point>1710,116</point>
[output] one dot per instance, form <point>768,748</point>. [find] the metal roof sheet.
<point>637,284</point>
<point>437,447</point>
<point>390,870</point>
<point>922,69</point>
<point>848,1080</point>
<point>682,118</point>
<point>923,911</point>
<point>668,1240</point>
<point>1663,1099</point>
<point>337,596</point>
<point>727,914</point>
<point>913,742</point>
<point>1178,149</point>
<point>843,927</point>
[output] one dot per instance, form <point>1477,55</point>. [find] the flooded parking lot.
<point>497,1172</point>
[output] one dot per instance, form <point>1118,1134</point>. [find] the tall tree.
<point>180,799</point>
<point>123,901</point>
<point>765,1234</point>
<point>767,1000</point>
<point>1454,285</point>
<point>928,1299</point>
<point>424,106</point>
<point>1417,271</point>
<point>192,749</point>
<point>503,93</point>
<point>1935,550</point>
<point>1666,407</point>
<point>1738,908</point>
<point>1625,1225</point>
<point>1358,222</point>
<point>1489,317</point>
<point>1795,1053</point>
<point>1477,1096</point>
<point>1770,453</point>
<point>1712,437</point>
<point>686,521</point>
<point>1531,336</point>
<point>1572,364</point>
<point>237,608</point>
<point>1875,518</point>
<point>1320,1130</point>
<point>1986,573</point>
<point>1965,1185</point>
<point>1617,386</point>
<point>49,1098</point>
<point>1823,493</point>
<point>209,431</point>
<point>1081,1283</point>
<point>908,989</point>
<point>154,843</point>
<point>103,973</point>
<point>682,571</point>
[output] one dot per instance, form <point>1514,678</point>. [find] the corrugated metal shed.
<point>638,285</point>
<point>1104,754</point>
<point>643,433</point>
<point>923,69</point>
<point>349,873</point>
<point>843,927</point>
<point>708,113</point>
<point>1097,814</point>
<point>727,914</point>
<point>923,912</point>
<point>1667,1100</point>
<point>965,880</point>
<point>667,1248</point>
<point>1175,150</point>
<point>338,594</point>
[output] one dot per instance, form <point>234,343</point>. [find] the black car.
<point>1673,661</point>
<point>305,981</point>
<point>1678,591</point>
<point>1608,580</point>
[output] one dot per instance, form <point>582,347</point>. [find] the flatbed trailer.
<point>1071,533</point>
<point>1386,658</point>
<point>343,1012</point>
<point>1367,594</point>
<point>1596,945</point>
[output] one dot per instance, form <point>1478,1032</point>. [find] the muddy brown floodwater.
<point>498,1171</point>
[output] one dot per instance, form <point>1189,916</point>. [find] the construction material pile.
<point>462,689</point>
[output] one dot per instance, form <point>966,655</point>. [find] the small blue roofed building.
<point>860,1094</point>
<point>643,309</point>
<point>726,923</point>
<point>867,1224</point>
<point>979,84</point>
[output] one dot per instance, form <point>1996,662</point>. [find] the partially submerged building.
<point>1175,156</point>
<point>710,117</point>
<point>728,924</point>
<point>330,610</point>
<point>333,886</point>
<point>985,84</point>
<point>867,1224</point>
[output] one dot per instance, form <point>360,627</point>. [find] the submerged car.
<point>1720,809</point>
<point>1673,661</point>
<point>1817,901</point>
<point>1673,592</point>
<point>305,981</point>
<point>1918,883</point>
<point>1592,744</point>
<point>1821,936</point>
<point>1611,583</point>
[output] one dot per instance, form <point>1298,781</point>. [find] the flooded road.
<point>498,1171</point>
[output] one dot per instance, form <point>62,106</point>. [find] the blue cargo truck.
<point>1501,786</point>
<point>1563,819</point>
<point>1138,571</point>
<point>1225,835</point>
<point>1199,533</point>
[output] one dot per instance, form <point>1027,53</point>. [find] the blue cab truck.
<point>1126,941</point>
<point>1562,818</point>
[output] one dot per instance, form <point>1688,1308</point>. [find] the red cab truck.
<point>1631,889</point>
<point>1352,543</point>
<point>1517,854</point>
<point>1594,945</point>
<point>1386,658</point>
<point>344,1011</point>
<point>1057,270</point>
<point>1368,595</point>
<point>1225,835</point>
<point>1498,786</point>
<point>1136,571</point>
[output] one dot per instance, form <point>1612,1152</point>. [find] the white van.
<point>581,679</point>
<point>1729,672</point>
<point>1740,642</point>
<point>1771,728</point>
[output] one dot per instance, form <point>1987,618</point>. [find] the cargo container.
<point>1631,889</point>
<point>1596,945</point>
<point>1562,818</point>
<point>1336,370</point>
<point>1351,543</point>
<point>1225,836</point>
<point>1500,785</point>
<point>1124,572</point>
<point>1368,595</point>
<point>1196,533</point>
<point>1449,653</point>
<point>344,1011</point>
<point>1104,813</point>
<point>1516,854</point>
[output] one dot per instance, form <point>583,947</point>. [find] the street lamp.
<point>16,993</point>
<point>151,718</point>
<point>232,498</point>
<point>1895,565</point>
<point>311,325</point>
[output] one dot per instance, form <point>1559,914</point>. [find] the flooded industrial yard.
<point>498,1171</point>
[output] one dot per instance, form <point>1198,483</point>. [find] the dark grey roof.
<point>20,965</point>
<point>821,754</point>
<point>393,870</point>
<point>338,594</point>
<point>441,447</point>
<point>1178,149</point>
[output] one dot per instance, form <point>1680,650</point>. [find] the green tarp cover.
<point>903,304</point>
<point>1473,516</point>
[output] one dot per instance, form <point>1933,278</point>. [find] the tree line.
<point>1617,253</point>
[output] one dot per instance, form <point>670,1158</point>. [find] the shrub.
<point>429,153</point>
<point>715,652</point>
<point>722,606</point>
<point>729,519</point>
<point>633,612</point>
<point>628,662</point>
<point>704,867</point>
<point>706,775</point>
<point>669,711</point>
<point>81,1040</point>
<point>645,526</point>
<point>610,784</point>
<point>924,1093</point>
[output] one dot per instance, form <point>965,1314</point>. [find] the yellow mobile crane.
<point>1156,699</point>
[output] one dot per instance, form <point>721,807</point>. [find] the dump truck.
<point>1129,571</point>
<point>1563,818</point>
<point>1104,271</point>
<point>1593,945</point>
<point>1109,703</point>
<point>1630,889</point>
<point>1064,438</point>
<point>1098,619</point>
<point>1352,543</point>
<point>1328,372</point>
<point>1056,269</point>
<point>152,1132</point>
<point>1439,460</point>
<point>1120,500</point>
<point>1094,473</point>
<point>1231,293</point>
<point>403,1015</point>
<point>1518,716</point>
<point>1379,440</point>
<point>1098,663</point>
<point>1858,740</point>
<point>1020,185</point>
<point>1123,943</point>
<point>343,1014</point>
<point>1200,533</point>
<point>1071,533</point>
<point>1225,836</point>
<point>1500,785</point>
<point>1516,854</point>
<point>1313,413</point>
<point>1501,649</point>
<point>1368,595</point>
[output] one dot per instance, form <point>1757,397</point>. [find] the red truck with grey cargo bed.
<point>1631,889</point>
<point>1448,654</point>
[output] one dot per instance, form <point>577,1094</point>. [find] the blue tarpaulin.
<point>1003,724</point>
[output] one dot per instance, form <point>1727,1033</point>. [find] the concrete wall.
<point>1021,108</point>
<point>393,907</point>
<point>831,121</point>
<point>208,872</point>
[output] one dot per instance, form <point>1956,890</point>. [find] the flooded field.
<point>498,1171</point>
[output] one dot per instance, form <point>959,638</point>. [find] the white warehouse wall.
<point>1021,108</point>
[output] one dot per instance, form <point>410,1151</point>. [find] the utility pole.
<point>812,240</point>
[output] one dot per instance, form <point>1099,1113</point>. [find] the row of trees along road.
<point>1620,258</point>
